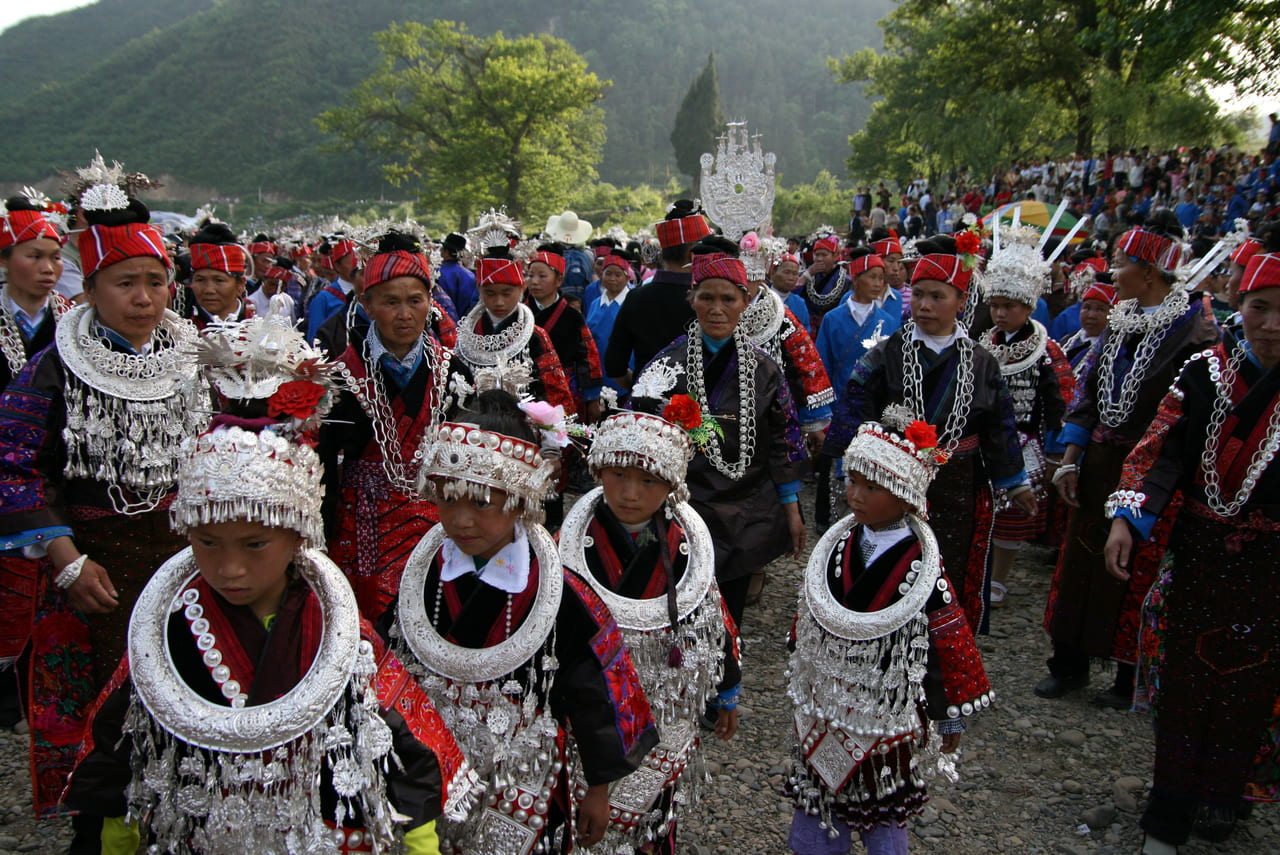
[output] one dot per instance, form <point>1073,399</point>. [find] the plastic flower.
<point>968,242</point>
<point>549,419</point>
<point>750,242</point>
<point>683,411</point>
<point>922,435</point>
<point>297,398</point>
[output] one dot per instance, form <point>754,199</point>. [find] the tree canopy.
<point>700,120</point>
<point>980,82</point>
<point>475,122</point>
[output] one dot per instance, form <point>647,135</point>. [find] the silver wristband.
<point>68,575</point>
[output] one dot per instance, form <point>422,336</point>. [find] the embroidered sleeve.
<point>32,453</point>
<point>555,385</point>
<point>954,654</point>
<point>1058,386</point>
<point>592,374</point>
<point>1151,471</point>
<point>808,363</point>
<point>445,328</point>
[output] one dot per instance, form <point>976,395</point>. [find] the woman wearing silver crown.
<point>636,541</point>
<point>880,648</point>
<point>89,436</point>
<point>255,710</point>
<point>521,657</point>
<point>745,482</point>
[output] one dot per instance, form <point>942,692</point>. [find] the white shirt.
<point>606,300</point>
<point>876,543</point>
<point>860,311</point>
<point>938,343</point>
<point>508,570</point>
<point>32,321</point>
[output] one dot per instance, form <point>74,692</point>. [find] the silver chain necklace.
<point>1127,318</point>
<point>1224,380</point>
<point>1019,356</point>
<point>762,322</point>
<point>832,295</point>
<point>495,348</point>
<point>913,386</point>
<point>696,382</point>
<point>10,338</point>
<point>372,395</point>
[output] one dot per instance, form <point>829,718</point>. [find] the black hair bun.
<point>497,410</point>
<point>554,247</point>
<point>21,203</point>
<point>938,245</point>
<point>715,243</point>
<point>681,208</point>
<point>136,213</point>
<point>398,242</point>
<point>218,234</point>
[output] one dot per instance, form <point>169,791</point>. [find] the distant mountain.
<point>219,95</point>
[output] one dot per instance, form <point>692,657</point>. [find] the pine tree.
<point>699,121</point>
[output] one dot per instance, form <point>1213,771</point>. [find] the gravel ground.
<point>1036,776</point>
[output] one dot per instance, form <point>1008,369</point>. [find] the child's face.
<point>480,529</point>
<point>935,305</point>
<point>1009,316</point>
<point>542,282</point>
<point>633,494</point>
<point>872,505</point>
<point>246,562</point>
<point>500,298</point>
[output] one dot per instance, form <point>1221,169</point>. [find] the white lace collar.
<point>508,570</point>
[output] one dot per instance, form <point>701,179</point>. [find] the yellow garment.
<point>118,838</point>
<point>422,840</point>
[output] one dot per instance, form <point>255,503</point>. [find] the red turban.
<point>498,271</point>
<point>718,265</point>
<point>228,258</point>
<point>1262,271</point>
<point>1150,247</point>
<point>102,246</point>
<point>683,230</point>
<point>22,226</point>
<point>386,266</point>
<point>863,263</point>
<point>943,268</point>
<point>555,262</point>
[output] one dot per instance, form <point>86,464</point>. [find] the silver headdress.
<point>98,187</point>
<point>494,229</point>
<point>645,442</point>
<point>243,469</point>
<point>738,188</point>
<point>464,460</point>
<point>1017,270</point>
<point>900,455</point>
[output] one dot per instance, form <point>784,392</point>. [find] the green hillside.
<point>219,95</point>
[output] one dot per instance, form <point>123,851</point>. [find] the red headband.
<point>340,250</point>
<point>22,226</point>
<point>1150,247</point>
<point>1245,251</point>
<point>860,265</point>
<point>386,266</point>
<point>280,273</point>
<point>786,256</point>
<point>102,246</point>
<point>262,247</point>
<point>300,251</point>
<point>228,258</point>
<point>602,251</point>
<point>1101,292</point>
<point>1096,264</point>
<point>1262,271</point>
<point>831,243</point>
<point>888,246</point>
<point>612,260</point>
<point>718,265</point>
<point>498,271</point>
<point>555,262</point>
<point>684,230</point>
<point>942,268</point>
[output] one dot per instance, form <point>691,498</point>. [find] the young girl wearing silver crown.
<point>254,710</point>
<point>881,647</point>
<point>517,653</point>
<point>639,544</point>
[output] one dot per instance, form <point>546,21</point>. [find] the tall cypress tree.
<point>699,121</point>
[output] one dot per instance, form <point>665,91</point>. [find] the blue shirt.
<point>460,284</point>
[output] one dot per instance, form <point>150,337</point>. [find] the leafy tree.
<point>476,121</point>
<point>976,82</point>
<point>699,121</point>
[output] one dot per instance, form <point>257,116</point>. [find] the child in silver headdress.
<point>881,647</point>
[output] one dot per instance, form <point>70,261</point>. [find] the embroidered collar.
<point>508,570</point>
<point>938,343</point>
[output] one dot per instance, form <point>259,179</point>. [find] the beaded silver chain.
<point>10,339</point>
<point>913,387</point>
<point>1223,380</point>
<point>832,295</point>
<point>747,362</point>
<point>1124,319</point>
<point>1019,356</point>
<point>372,395</point>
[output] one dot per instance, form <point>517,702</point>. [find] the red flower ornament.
<point>683,411</point>
<point>297,399</point>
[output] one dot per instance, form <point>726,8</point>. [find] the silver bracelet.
<point>1063,470</point>
<point>68,575</point>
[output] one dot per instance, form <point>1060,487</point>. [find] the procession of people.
<point>360,541</point>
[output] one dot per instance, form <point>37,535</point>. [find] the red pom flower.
<point>968,242</point>
<point>922,434</point>
<point>683,411</point>
<point>297,398</point>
